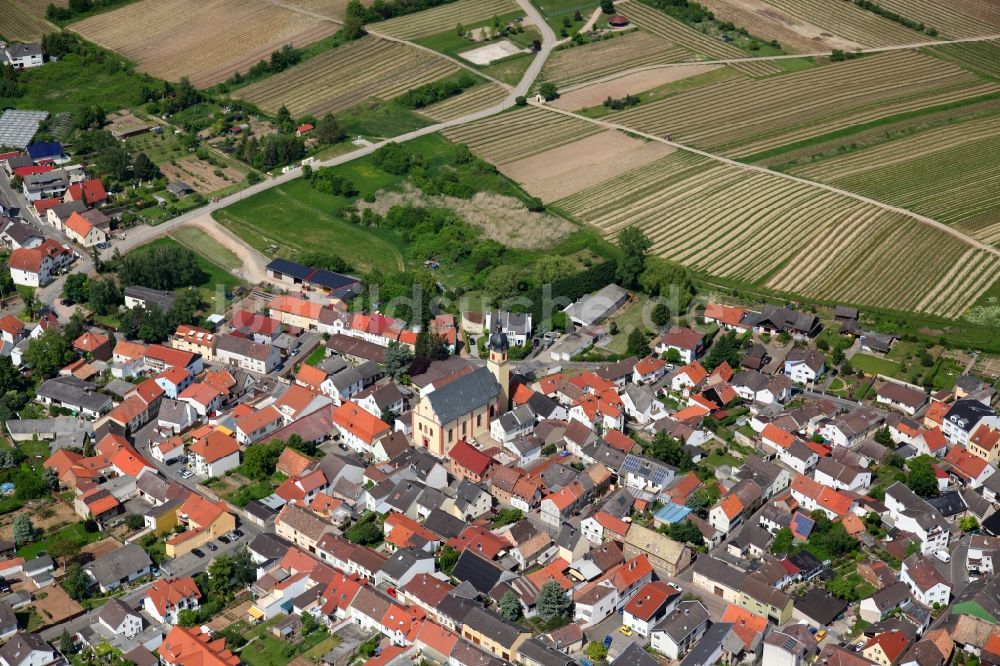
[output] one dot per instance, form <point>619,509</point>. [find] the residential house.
<point>82,230</point>
<point>663,552</point>
<point>119,567</point>
<point>516,326</point>
<point>184,646</point>
<point>359,430</point>
<point>166,598</point>
<point>926,584</point>
<point>649,605</point>
<point>38,266</point>
<point>215,454</point>
<point>804,365</point>
<point>681,630</point>
<point>28,649</point>
<point>259,424</point>
<point>119,619</point>
<point>901,397</point>
<point>247,354</point>
<point>964,417</point>
<point>687,342</point>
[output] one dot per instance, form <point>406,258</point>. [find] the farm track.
<point>676,32</point>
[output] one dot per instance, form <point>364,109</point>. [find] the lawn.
<point>316,356</point>
<point>34,448</point>
<point>294,217</point>
<point>874,365</point>
<point>208,247</point>
<point>377,119</point>
<point>717,459</point>
<point>74,531</point>
<point>626,322</point>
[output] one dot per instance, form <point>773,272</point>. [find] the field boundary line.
<point>390,38</point>
<point>789,56</point>
<point>751,167</point>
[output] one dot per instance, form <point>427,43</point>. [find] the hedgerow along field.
<point>759,228</point>
<point>18,22</point>
<point>741,117</point>
<point>445,17</point>
<point>347,75</point>
<point>675,32</point>
<point>574,65</point>
<point>844,19</point>
<point>949,173</point>
<point>204,40</point>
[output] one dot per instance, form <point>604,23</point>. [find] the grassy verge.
<point>75,532</point>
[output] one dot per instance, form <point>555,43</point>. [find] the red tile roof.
<point>467,456</point>
<point>191,647</point>
<point>351,417</point>
<point>725,314</point>
<point>649,599</point>
<point>215,446</point>
<point>164,593</point>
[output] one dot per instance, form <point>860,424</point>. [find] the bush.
<point>430,93</point>
<point>393,158</point>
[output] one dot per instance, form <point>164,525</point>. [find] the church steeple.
<point>497,363</point>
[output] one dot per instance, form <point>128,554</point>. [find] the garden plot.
<point>571,168</point>
<point>484,55</point>
<point>204,40</point>
<point>202,176</point>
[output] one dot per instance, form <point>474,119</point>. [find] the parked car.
<point>942,555</point>
<point>625,630</point>
<point>211,546</point>
<point>238,534</point>
<point>225,538</point>
<point>197,552</point>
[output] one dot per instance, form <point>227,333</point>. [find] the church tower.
<point>497,364</point>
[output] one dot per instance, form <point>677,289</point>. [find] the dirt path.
<point>940,226</point>
<point>591,21</point>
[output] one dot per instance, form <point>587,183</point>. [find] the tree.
<point>367,531</point>
<point>673,356</point>
<point>447,558</point>
<point>76,582</point>
<point>687,532</point>
<point>634,244</point>
<point>29,484</point>
<point>638,343</point>
<point>553,267</point>
<point>660,315</point>
<point>220,576</point>
<point>843,587</point>
<point>553,602</point>
<point>727,349</point>
<point>608,6</point>
<point>144,168</point>
<point>968,523</point>
<point>24,530</point>
<point>328,130</point>
<point>187,618</point>
<point>354,20</point>
<point>884,437</point>
<point>75,287</point>
<point>50,479</point>
<point>66,643</point>
<point>397,359</point>
<point>134,521</point>
<point>510,607</point>
<point>115,162</point>
<point>921,478</point>
<point>49,352</point>
<point>105,295</point>
<point>30,300</point>
<point>700,501</point>
<point>260,461</point>
<point>244,569</point>
<point>548,91</point>
<point>596,651</point>
<point>507,517</point>
<point>504,283</point>
<point>782,544</point>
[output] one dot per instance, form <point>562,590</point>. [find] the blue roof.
<point>317,276</point>
<point>45,149</point>
<point>802,525</point>
<point>672,513</point>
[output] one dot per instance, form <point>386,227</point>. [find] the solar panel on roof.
<point>289,268</point>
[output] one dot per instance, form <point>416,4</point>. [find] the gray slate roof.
<point>122,563</point>
<point>463,395</point>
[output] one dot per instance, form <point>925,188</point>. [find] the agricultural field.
<point>519,134</point>
<point>204,40</point>
<point>444,17</point>
<point>574,167</point>
<point>475,99</point>
<point>38,7</point>
<point>331,8</point>
<point>675,32</point>
<point>952,19</point>
<point>202,176</point>
<point>20,22</point>
<point>980,57</point>
<point>848,21</point>
<point>948,173</point>
<point>574,65</point>
<point>347,75</point>
<point>647,85</point>
<point>769,23</point>
<point>761,228</point>
<point>739,118</point>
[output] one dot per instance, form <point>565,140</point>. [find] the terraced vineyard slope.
<point>344,76</point>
